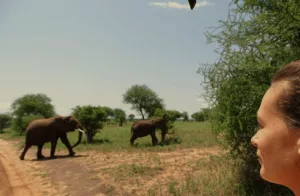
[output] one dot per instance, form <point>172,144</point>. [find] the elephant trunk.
<point>79,136</point>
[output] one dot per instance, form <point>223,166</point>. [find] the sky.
<point>81,52</point>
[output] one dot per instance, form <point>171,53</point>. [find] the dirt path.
<point>95,173</point>
<point>61,176</point>
<point>14,180</point>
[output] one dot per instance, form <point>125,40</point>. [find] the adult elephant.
<point>143,128</point>
<point>41,131</point>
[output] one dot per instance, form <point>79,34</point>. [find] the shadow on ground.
<point>59,157</point>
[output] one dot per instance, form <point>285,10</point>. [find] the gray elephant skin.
<point>41,131</point>
<point>142,128</point>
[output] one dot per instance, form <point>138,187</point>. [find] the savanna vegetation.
<point>256,39</point>
<point>106,134</point>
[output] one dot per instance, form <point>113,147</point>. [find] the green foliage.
<point>131,117</point>
<point>171,116</point>
<point>5,121</point>
<point>185,116</point>
<point>109,112</point>
<point>120,116</point>
<point>257,38</point>
<point>19,124</point>
<point>91,117</point>
<point>202,115</point>
<point>33,104</point>
<point>143,100</point>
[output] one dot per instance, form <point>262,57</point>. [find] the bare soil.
<point>94,173</point>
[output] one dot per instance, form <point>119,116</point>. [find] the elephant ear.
<point>68,119</point>
<point>153,121</point>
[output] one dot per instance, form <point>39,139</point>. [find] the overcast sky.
<point>81,52</point>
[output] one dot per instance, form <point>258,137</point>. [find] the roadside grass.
<point>212,175</point>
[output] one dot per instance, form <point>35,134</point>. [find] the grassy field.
<point>189,163</point>
<point>114,137</point>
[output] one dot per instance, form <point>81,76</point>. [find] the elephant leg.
<point>53,147</point>
<point>27,146</point>
<point>133,137</point>
<point>154,138</point>
<point>39,152</point>
<point>66,142</point>
<point>163,136</point>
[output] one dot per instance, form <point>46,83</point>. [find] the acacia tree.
<point>5,120</point>
<point>143,100</point>
<point>257,38</point>
<point>131,117</point>
<point>109,112</point>
<point>92,118</point>
<point>120,116</point>
<point>33,104</point>
<point>185,116</point>
<point>30,106</point>
<point>171,116</point>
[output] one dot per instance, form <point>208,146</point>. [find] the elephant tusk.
<point>80,130</point>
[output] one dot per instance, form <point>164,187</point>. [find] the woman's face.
<point>277,145</point>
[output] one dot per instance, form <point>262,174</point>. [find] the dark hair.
<point>289,100</point>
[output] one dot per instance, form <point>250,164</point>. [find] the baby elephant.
<point>143,128</point>
<point>40,131</point>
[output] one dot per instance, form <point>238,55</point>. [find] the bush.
<point>19,124</point>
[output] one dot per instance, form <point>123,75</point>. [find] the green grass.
<point>114,137</point>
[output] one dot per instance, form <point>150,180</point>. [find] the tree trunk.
<point>89,137</point>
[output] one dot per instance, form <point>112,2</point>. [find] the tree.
<point>143,100</point>
<point>5,120</point>
<point>131,117</point>
<point>120,116</point>
<point>33,104</point>
<point>202,115</point>
<point>257,38</point>
<point>30,105</point>
<point>185,116</point>
<point>91,117</point>
<point>19,124</point>
<point>171,116</point>
<point>109,112</point>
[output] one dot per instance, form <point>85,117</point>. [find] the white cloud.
<point>175,5</point>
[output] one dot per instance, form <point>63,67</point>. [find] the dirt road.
<point>94,173</point>
<point>13,178</point>
<point>31,177</point>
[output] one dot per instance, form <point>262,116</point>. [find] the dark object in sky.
<point>192,3</point>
